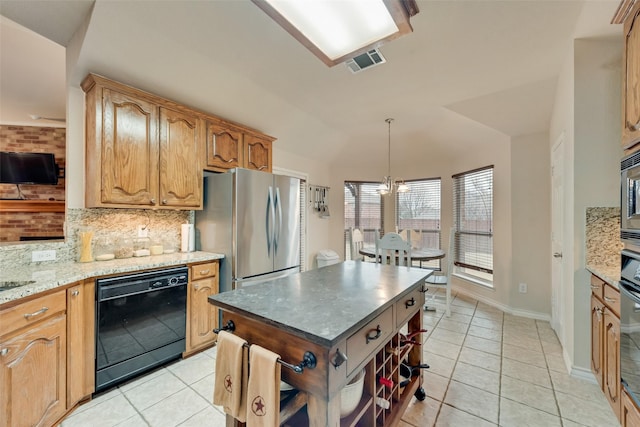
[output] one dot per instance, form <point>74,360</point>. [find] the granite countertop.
<point>608,273</point>
<point>49,276</point>
<point>327,304</point>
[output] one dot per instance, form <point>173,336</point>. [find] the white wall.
<point>587,111</point>
<point>531,223</point>
<point>597,156</point>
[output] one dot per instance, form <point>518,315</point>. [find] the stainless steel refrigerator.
<point>253,218</point>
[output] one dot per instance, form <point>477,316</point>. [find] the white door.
<point>557,217</point>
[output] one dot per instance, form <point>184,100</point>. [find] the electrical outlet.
<point>49,255</point>
<point>143,231</point>
<point>523,288</point>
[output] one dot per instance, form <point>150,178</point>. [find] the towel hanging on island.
<point>263,395</point>
<point>230,388</point>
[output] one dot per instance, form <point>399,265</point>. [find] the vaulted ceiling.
<point>494,62</point>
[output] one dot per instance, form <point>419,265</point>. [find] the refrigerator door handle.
<point>269,219</point>
<point>278,227</point>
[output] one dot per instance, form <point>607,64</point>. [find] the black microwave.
<point>630,199</point>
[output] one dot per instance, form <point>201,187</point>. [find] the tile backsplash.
<point>109,223</point>
<point>603,236</point>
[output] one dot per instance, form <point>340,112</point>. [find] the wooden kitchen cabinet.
<point>597,336</point>
<point>202,317</point>
<point>180,140</point>
<point>224,147</point>
<point>257,153</point>
<point>80,341</point>
<point>629,413</point>
<point>141,150</point>
<point>611,374</point>
<point>33,361</point>
<point>230,147</point>
<point>605,340</point>
<point>631,79</point>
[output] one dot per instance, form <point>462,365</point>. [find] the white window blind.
<point>473,220</point>
<point>419,211</point>
<point>363,209</point>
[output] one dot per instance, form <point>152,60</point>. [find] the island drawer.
<point>201,271</point>
<point>368,339</point>
<point>408,306</point>
<point>32,311</point>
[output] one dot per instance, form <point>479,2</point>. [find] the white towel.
<point>230,388</point>
<point>263,395</point>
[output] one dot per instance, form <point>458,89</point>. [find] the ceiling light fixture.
<point>388,184</point>
<point>336,31</point>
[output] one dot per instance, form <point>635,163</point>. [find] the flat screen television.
<point>28,168</point>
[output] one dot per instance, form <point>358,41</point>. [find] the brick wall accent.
<point>35,140</point>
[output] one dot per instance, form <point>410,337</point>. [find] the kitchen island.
<point>333,322</point>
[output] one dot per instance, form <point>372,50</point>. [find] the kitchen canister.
<point>85,240</point>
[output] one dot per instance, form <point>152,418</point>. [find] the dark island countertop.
<point>327,304</point>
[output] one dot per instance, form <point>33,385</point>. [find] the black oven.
<point>140,323</point>
<point>630,324</point>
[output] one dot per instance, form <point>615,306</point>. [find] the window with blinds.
<point>473,221</point>
<point>419,211</point>
<point>363,209</point>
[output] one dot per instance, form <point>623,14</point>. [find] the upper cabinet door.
<point>257,153</point>
<point>224,147</point>
<point>180,138</point>
<point>129,150</point>
<point>631,88</point>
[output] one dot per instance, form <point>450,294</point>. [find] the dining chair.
<point>413,236</point>
<point>356,241</point>
<point>443,279</point>
<point>391,246</point>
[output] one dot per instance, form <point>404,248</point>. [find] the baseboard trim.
<point>507,309</point>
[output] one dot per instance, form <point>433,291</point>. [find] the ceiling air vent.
<point>369,59</point>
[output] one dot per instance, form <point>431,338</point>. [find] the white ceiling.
<point>494,62</point>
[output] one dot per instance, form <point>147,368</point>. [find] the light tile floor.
<point>487,368</point>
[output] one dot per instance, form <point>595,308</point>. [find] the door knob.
<point>557,254</point>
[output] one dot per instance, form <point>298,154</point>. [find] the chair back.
<point>357,241</point>
<point>391,247</point>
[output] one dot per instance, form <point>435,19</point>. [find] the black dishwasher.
<point>140,323</point>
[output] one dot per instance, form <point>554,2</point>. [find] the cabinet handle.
<point>195,287</point>
<point>30,315</point>
<point>75,293</point>
<point>595,287</point>
<point>410,303</point>
<point>635,127</point>
<point>599,312</point>
<point>607,299</point>
<point>4,352</point>
<point>376,336</point>
<point>203,272</point>
<point>164,201</point>
<point>152,201</point>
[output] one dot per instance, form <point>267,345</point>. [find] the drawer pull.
<point>378,332</point>
<point>607,299</point>
<point>633,127</point>
<point>203,272</point>
<point>595,287</point>
<point>30,315</point>
<point>339,359</point>
<point>75,293</point>
<point>4,352</point>
<point>410,303</point>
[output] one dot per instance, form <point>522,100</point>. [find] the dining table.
<point>423,254</point>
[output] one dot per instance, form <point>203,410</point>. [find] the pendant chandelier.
<point>388,184</point>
